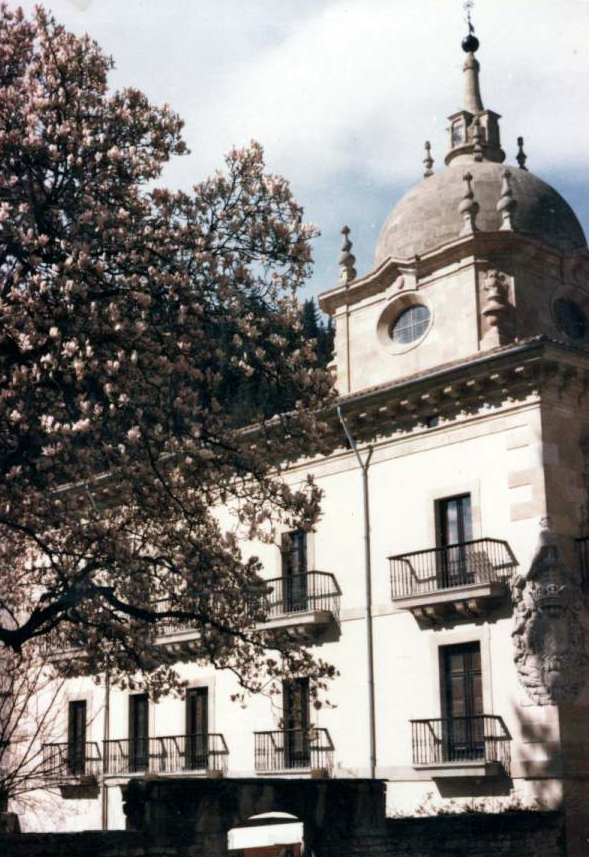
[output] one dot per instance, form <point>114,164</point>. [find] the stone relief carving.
<point>497,309</point>
<point>549,639</point>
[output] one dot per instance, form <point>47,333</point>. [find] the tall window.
<point>295,700</point>
<point>197,728</point>
<point>454,528</point>
<point>76,746</point>
<point>294,571</point>
<point>462,701</point>
<point>138,732</point>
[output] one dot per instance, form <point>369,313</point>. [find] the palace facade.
<point>447,577</point>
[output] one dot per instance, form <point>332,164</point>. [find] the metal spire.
<point>470,43</point>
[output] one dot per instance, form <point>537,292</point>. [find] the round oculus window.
<point>571,319</point>
<point>410,325</point>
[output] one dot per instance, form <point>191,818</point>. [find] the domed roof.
<point>428,215</point>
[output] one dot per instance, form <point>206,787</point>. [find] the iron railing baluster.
<point>462,564</point>
<point>293,749</point>
<point>440,740</point>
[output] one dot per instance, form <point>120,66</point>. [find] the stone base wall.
<point>510,834</point>
<point>90,843</point>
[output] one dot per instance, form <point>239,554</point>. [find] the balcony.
<point>478,746</point>
<point>305,601</point>
<point>291,750</point>
<point>178,635</point>
<point>56,646</point>
<point>465,580</point>
<point>172,754</point>
<point>72,761</point>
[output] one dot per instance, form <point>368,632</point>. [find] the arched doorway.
<point>268,834</point>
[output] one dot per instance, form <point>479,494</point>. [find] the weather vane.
<point>467,6</point>
<point>470,43</point>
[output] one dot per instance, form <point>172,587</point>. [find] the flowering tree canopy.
<point>127,317</point>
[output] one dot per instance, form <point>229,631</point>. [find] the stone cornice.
<point>508,374</point>
<point>477,244</point>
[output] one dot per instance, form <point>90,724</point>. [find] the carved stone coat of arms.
<point>549,639</point>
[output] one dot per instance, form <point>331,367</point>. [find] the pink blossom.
<point>125,313</point>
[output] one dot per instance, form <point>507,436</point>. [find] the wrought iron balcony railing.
<point>56,644</point>
<point>293,749</point>
<point>463,564</point>
<point>166,755</point>
<point>166,627</point>
<point>482,738</point>
<point>313,591</point>
<point>72,759</point>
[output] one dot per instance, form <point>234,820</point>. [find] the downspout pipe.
<point>105,745</point>
<point>364,465</point>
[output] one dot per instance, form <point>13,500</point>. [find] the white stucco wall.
<point>497,458</point>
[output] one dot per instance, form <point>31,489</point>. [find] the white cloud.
<point>343,93</point>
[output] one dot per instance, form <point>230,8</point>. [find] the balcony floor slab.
<point>309,618</point>
<point>461,770</point>
<point>474,599</point>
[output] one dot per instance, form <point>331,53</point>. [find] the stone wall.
<point>90,843</point>
<point>510,834</point>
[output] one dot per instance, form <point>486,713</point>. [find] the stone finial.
<point>346,259</point>
<point>477,139</point>
<point>507,204</point>
<point>428,161</point>
<point>521,156</point>
<point>468,207</point>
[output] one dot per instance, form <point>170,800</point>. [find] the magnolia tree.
<point>29,724</point>
<point>128,317</point>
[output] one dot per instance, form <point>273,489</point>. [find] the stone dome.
<point>428,215</point>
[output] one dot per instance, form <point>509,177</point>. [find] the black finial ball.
<point>470,43</point>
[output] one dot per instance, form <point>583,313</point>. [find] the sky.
<point>342,94</point>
